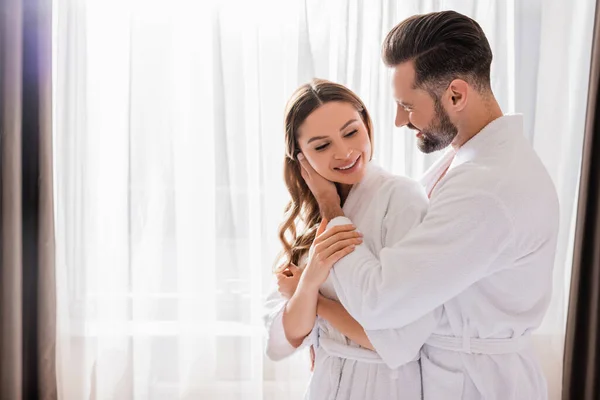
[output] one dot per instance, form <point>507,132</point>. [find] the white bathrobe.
<point>485,251</point>
<point>383,208</point>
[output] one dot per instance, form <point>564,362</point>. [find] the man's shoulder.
<point>505,189</point>
<point>472,177</point>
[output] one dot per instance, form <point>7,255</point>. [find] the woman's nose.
<point>342,153</point>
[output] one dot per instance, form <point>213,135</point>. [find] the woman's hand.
<point>327,249</point>
<point>287,281</point>
<point>320,187</point>
<point>324,191</point>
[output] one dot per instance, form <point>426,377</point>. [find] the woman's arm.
<point>300,314</point>
<point>278,346</point>
<point>335,313</point>
<point>301,311</point>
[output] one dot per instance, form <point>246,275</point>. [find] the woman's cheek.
<point>365,145</point>
<point>316,161</point>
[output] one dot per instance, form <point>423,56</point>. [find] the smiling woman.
<point>336,155</point>
<point>329,128</point>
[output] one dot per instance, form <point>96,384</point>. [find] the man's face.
<point>417,109</point>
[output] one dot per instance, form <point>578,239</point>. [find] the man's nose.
<point>401,117</point>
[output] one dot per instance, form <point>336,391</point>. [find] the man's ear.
<point>458,91</point>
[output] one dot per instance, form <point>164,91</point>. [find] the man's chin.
<point>425,146</point>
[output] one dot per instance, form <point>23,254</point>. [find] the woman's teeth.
<point>349,166</point>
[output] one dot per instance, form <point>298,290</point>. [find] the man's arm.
<point>462,235</point>
<point>334,313</point>
<point>331,209</point>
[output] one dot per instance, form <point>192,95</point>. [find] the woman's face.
<point>335,141</point>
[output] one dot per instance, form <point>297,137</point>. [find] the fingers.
<point>304,174</point>
<point>338,238</point>
<point>305,167</point>
<point>336,229</point>
<point>304,164</point>
<point>337,256</point>
<point>289,271</point>
<point>285,287</point>
<point>294,269</point>
<point>280,277</point>
<point>322,227</point>
<point>339,245</point>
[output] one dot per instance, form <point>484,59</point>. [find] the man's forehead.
<point>403,77</point>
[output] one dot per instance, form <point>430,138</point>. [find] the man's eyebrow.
<point>404,104</point>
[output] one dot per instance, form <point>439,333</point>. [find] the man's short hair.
<point>443,46</point>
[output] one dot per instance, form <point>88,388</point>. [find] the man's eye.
<point>351,133</point>
<point>322,147</point>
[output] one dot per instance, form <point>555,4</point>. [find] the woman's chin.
<point>349,179</point>
<point>349,176</point>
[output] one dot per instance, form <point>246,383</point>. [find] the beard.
<point>440,132</point>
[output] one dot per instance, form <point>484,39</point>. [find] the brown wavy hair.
<point>302,215</point>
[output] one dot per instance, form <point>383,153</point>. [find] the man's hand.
<point>324,191</point>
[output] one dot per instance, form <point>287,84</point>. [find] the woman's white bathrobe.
<point>384,208</point>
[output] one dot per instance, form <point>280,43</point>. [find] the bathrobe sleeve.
<point>397,346</point>
<point>464,233</point>
<point>278,346</point>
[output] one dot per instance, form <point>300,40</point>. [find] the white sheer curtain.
<point>169,151</point>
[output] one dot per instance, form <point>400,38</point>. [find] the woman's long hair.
<point>302,215</point>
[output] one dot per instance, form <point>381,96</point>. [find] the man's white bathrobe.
<point>485,252</point>
<point>384,208</point>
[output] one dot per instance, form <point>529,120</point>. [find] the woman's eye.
<point>322,147</point>
<point>351,133</point>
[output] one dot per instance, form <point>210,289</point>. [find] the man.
<point>485,250</point>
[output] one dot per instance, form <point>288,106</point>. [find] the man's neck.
<point>343,191</point>
<point>477,119</point>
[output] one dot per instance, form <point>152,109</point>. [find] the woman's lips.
<point>351,169</point>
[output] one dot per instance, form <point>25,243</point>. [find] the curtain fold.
<point>27,276</point>
<point>582,344</point>
<point>169,150</point>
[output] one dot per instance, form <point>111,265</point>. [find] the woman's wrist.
<point>306,290</point>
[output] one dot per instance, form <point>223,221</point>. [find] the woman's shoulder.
<point>395,184</point>
<point>397,191</point>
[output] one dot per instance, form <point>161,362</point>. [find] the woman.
<point>330,126</point>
